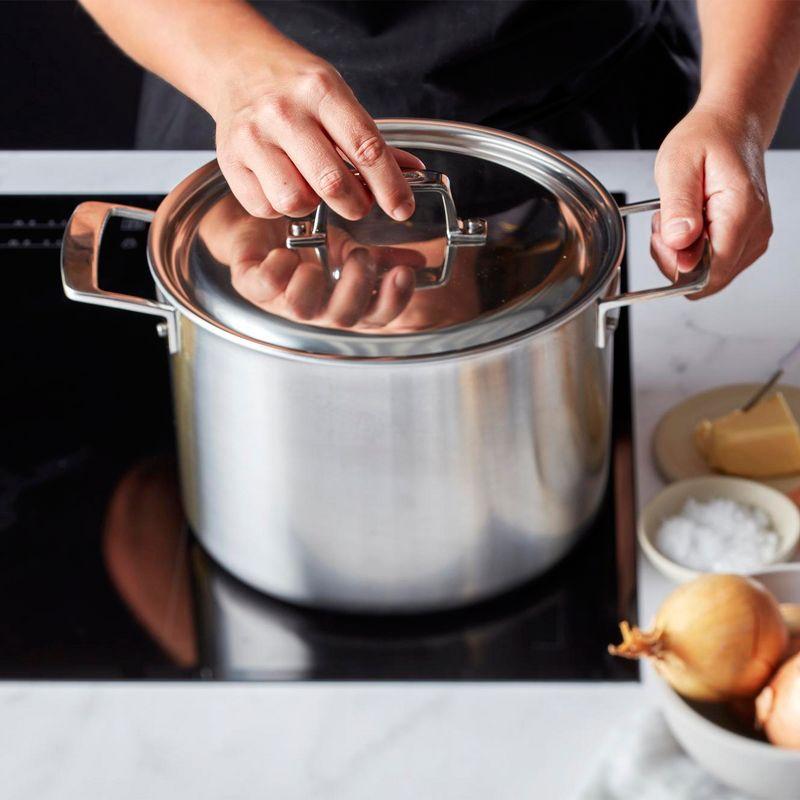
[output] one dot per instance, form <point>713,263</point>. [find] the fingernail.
<point>678,226</point>
<point>403,211</point>
<point>403,280</point>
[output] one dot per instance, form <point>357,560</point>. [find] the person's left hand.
<point>712,159</point>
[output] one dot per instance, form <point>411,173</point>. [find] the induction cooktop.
<point>100,577</point>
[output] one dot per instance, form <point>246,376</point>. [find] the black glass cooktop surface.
<point>100,577</point>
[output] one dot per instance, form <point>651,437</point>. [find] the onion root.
<point>637,643</point>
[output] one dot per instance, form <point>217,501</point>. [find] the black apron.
<point>572,75</point>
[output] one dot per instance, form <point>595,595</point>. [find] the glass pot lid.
<point>507,238</point>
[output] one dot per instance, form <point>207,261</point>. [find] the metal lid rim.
<point>208,174</point>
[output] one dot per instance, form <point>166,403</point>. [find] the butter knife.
<point>783,364</point>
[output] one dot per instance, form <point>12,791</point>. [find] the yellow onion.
<point>791,616</point>
<point>778,706</point>
<point>716,638</point>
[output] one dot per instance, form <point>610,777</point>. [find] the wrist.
<point>236,68</point>
<point>251,71</point>
<point>754,115</point>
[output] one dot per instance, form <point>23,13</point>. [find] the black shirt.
<point>597,73</point>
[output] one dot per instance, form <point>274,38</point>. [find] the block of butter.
<point>763,442</point>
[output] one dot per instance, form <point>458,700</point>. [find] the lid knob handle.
<point>459,233</point>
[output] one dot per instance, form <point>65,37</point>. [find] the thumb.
<point>680,185</point>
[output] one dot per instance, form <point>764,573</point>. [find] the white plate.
<point>674,450</point>
<point>783,513</point>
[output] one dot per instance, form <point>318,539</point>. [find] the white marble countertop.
<point>395,740</point>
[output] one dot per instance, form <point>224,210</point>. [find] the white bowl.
<point>749,765</point>
<point>783,513</point>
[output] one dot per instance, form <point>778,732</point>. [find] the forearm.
<point>201,47</point>
<point>751,55</point>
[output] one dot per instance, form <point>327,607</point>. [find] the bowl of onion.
<point>718,524</point>
<point>728,650</point>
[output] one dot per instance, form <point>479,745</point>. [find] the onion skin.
<point>791,616</point>
<point>778,706</point>
<point>715,639</point>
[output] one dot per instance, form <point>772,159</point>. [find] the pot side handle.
<point>80,250</point>
<point>687,283</point>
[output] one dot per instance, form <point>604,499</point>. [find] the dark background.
<point>64,85</point>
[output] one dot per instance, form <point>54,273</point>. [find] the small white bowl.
<point>783,513</point>
<point>749,765</point>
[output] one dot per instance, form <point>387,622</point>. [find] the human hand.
<point>713,158</point>
<point>285,133</point>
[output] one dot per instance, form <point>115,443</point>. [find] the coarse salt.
<point>720,535</point>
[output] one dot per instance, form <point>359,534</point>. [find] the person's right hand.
<point>284,136</point>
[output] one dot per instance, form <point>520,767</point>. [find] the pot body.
<point>396,486</point>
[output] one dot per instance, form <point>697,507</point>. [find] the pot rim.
<point>161,247</point>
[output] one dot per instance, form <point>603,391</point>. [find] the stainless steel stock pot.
<point>389,417</point>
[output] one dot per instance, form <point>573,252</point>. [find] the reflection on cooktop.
<point>101,578</point>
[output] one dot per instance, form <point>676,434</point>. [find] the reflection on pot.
<point>364,277</point>
<point>363,286</point>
